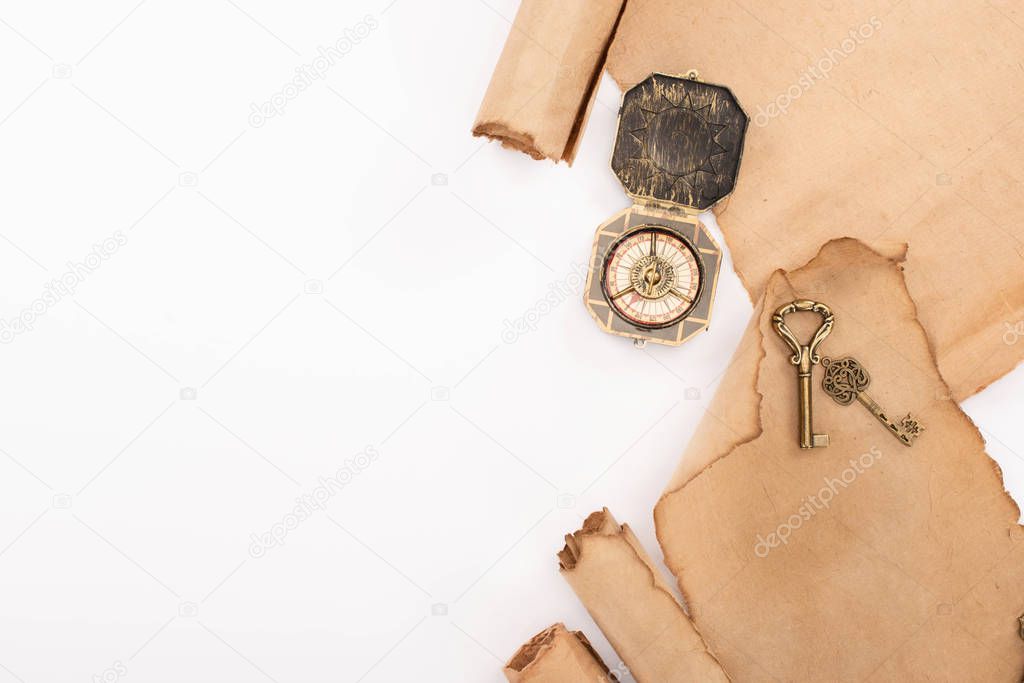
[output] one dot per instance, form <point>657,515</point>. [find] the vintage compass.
<point>654,267</point>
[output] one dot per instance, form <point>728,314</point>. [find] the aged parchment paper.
<point>894,121</point>
<point>866,560</point>
<point>875,119</point>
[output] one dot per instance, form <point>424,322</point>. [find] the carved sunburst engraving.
<point>679,141</point>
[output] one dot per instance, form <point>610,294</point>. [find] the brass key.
<point>846,379</point>
<point>805,357</point>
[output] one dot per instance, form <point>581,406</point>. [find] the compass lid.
<point>679,141</point>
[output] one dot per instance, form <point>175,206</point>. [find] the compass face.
<point>652,277</point>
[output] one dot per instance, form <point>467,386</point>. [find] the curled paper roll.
<point>619,585</point>
<point>544,84</point>
<point>557,655</point>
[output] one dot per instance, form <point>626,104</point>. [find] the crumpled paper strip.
<point>865,560</point>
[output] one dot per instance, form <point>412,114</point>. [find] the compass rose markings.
<point>652,277</point>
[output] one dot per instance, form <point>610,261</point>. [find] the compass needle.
<point>682,296</point>
<point>624,292</point>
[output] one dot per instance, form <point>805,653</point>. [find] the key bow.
<point>803,305</point>
<point>844,379</point>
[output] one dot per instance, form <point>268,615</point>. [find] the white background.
<point>288,296</point>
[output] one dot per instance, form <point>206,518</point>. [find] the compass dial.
<point>651,277</point>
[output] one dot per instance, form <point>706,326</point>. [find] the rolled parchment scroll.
<point>545,82</point>
<point>556,655</point>
<point>619,585</point>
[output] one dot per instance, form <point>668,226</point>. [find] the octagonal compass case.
<point>654,267</point>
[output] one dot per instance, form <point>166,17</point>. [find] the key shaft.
<point>805,357</point>
<point>808,439</point>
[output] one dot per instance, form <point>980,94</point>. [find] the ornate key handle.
<point>804,305</point>
<point>805,357</point>
<point>846,381</point>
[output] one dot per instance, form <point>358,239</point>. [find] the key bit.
<point>805,357</point>
<point>846,379</point>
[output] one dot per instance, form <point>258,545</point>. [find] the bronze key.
<point>805,357</point>
<point>846,379</point>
